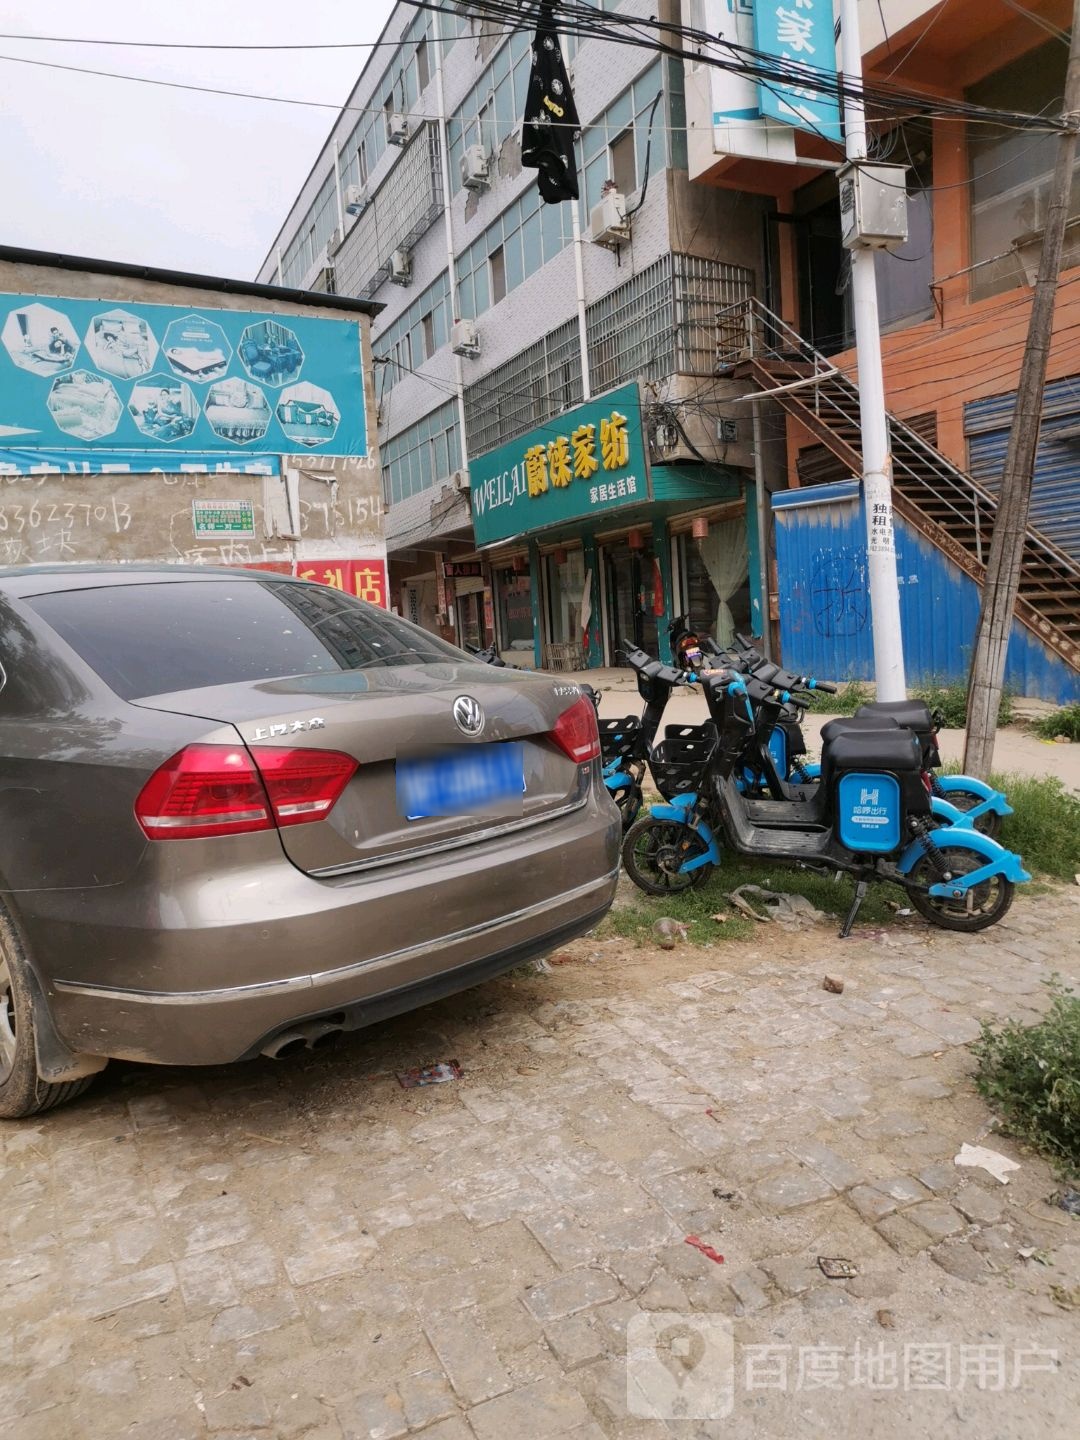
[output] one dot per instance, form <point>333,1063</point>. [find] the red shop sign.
<point>366,579</point>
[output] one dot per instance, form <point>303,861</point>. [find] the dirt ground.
<point>308,1249</point>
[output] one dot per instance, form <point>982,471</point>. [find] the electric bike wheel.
<point>980,907</point>
<point>629,803</point>
<point>654,849</point>
<point>988,824</point>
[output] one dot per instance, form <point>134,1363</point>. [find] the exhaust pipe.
<point>300,1037</point>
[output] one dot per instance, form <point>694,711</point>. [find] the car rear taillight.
<point>576,732</point>
<point>207,790</point>
<point>303,785</point>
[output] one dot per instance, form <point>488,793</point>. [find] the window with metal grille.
<point>661,322</point>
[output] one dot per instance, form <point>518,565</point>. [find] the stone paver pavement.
<point>307,1250</point>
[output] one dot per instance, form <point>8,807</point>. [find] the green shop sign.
<point>582,464</point>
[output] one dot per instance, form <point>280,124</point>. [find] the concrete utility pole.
<point>876,459</point>
<point>1014,499</point>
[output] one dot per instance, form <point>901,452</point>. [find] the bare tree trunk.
<point>1014,500</point>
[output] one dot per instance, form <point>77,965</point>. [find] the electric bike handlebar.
<point>487,656</point>
<point>785,680</point>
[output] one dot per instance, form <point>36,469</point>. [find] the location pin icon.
<point>680,1349</point>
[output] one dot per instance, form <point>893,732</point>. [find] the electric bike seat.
<point>913,715</point>
<point>857,725</point>
<point>896,750</point>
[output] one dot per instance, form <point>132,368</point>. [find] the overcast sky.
<point>114,170</point>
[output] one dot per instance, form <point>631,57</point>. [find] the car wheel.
<point>22,1090</point>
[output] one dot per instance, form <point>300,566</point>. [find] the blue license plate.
<point>478,778</point>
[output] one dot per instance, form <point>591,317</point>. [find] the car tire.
<point>22,1090</point>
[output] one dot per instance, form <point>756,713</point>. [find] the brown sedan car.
<point>239,812</point>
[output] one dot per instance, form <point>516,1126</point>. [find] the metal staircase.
<point>942,502</point>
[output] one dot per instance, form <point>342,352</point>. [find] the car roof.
<point>21,581</point>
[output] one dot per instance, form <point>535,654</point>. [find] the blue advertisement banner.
<point>801,33</point>
<point>133,462</point>
<point>158,381</point>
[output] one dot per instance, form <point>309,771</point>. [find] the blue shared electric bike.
<point>869,815</point>
<point>960,799</point>
<point>626,743</point>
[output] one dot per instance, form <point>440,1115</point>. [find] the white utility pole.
<point>876,459</point>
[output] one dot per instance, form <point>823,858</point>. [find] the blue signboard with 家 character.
<point>154,383</point>
<point>800,33</point>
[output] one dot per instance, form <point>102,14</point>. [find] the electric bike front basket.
<point>620,739</point>
<point>679,761</point>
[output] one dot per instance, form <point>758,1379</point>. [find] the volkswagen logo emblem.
<point>468,716</point>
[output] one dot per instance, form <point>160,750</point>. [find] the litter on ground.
<point>429,1075</point>
<point>777,905</point>
<point>706,1250</point>
<point>834,1267</point>
<point>979,1157</point>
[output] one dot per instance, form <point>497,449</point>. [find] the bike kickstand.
<point>861,887</point>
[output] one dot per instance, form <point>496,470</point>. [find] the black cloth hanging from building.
<point>551,118</point>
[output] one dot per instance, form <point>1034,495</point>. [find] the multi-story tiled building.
<point>714,268</point>
<point>502,316</point>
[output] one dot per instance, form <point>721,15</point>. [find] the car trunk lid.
<point>385,713</point>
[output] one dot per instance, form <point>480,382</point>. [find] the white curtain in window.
<point>724,554</point>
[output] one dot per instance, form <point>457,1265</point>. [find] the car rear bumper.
<point>294,948</point>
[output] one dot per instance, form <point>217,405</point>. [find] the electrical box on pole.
<point>872,223</point>
<point>873,206</point>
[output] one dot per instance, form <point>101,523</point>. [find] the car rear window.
<point>153,639</point>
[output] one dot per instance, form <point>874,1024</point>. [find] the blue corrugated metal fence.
<point>825,601</point>
<point>1055,490</point>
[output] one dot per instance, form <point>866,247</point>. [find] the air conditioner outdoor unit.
<point>400,268</point>
<point>333,240</point>
<point>460,480</point>
<point>608,224</point>
<point>475,168</point>
<point>465,338</point>
<point>356,199</point>
<point>397,129</point>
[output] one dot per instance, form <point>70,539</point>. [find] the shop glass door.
<point>631,588</point>
<point>470,616</point>
<point>513,598</point>
<point>564,589</point>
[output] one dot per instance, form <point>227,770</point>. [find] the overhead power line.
<point>221,45</point>
<point>589,22</point>
<point>1039,20</point>
<point>575,17</point>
